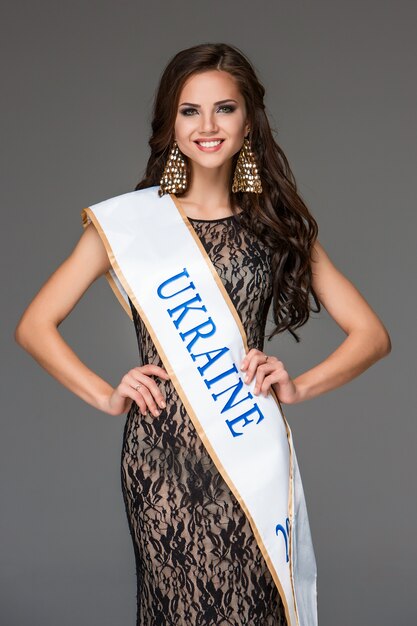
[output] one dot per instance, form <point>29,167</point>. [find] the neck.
<point>209,188</point>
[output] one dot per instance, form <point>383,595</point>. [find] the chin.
<point>210,160</point>
<point>210,166</point>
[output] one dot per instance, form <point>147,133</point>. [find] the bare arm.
<point>367,340</point>
<point>37,332</point>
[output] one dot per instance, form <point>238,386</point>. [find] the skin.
<point>207,197</point>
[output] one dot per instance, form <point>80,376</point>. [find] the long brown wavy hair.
<point>278,215</point>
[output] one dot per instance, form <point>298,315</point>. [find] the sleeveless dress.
<point>197,560</point>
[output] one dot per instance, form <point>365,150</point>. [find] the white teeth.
<point>209,144</point>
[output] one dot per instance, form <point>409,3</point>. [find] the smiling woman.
<point>203,127</point>
<point>209,474</point>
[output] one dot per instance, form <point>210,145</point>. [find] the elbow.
<point>20,335</point>
<point>376,341</point>
<point>30,331</point>
<point>383,344</point>
<point>388,345</point>
<point>25,330</point>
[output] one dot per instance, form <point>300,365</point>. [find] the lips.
<point>209,145</point>
<point>209,142</point>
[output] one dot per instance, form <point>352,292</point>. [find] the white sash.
<point>159,262</point>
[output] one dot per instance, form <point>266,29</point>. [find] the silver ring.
<point>138,386</point>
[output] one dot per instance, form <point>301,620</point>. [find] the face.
<point>211,118</point>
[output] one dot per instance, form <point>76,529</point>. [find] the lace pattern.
<point>197,560</point>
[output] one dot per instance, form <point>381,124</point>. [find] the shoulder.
<point>126,199</point>
<point>331,286</point>
<point>120,209</point>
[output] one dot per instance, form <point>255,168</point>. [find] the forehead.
<point>210,86</point>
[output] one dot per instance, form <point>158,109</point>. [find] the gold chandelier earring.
<point>174,176</point>
<point>246,177</point>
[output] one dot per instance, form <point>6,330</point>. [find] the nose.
<point>207,122</point>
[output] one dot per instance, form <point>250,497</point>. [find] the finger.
<point>140,377</point>
<point>261,373</point>
<point>149,390</point>
<point>281,377</point>
<point>256,361</point>
<point>153,370</point>
<point>154,390</point>
<point>247,359</point>
<point>150,402</point>
<point>137,385</point>
<point>126,391</point>
<point>251,369</point>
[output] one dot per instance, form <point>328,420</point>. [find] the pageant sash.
<point>159,262</point>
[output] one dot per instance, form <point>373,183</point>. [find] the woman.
<point>215,170</point>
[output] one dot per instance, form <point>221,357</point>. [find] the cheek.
<point>183,125</point>
<point>177,129</point>
<point>235,126</point>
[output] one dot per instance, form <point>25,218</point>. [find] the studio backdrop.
<point>78,84</point>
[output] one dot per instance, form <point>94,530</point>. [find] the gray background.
<point>78,83</point>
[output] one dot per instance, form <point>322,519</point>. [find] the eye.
<point>186,111</point>
<point>228,108</point>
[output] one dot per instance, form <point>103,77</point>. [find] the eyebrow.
<point>198,106</point>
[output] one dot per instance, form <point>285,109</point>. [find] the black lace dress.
<point>197,560</point>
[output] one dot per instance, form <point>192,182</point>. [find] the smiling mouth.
<point>210,144</point>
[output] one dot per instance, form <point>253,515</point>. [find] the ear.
<point>247,129</point>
